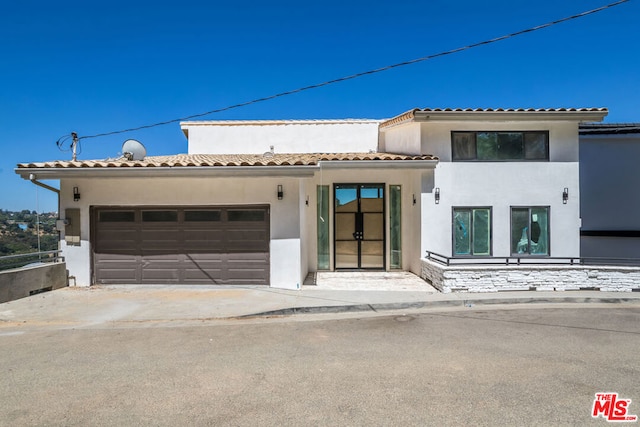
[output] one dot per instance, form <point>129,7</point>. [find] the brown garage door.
<point>181,245</point>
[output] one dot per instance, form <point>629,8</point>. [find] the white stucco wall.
<point>402,139</point>
<point>434,137</point>
<point>499,185</point>
<point>502,186</point>
<point>284,214</point>
<point>286,137</point>
<point>563,136</point>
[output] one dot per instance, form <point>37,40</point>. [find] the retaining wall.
<point>26,281</point>
<point>492,278</point>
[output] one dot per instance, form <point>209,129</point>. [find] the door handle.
<point>358,235</point>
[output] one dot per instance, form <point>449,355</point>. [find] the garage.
<point>226,245</point>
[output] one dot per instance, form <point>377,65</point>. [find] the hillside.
<point>19,232</point>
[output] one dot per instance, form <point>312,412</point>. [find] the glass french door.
<point>359,237</point>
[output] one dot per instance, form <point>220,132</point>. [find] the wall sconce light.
<point>565,196</point>
<point>280,192</point>
<point>414,200</point>
<point>306,202</point>
<point>76,194</point>
<point>437,195</point>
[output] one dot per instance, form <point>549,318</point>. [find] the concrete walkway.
<point>148,305</point>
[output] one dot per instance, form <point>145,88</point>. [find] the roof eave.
<point>167,172</point>
<point>578,116</point>
<point>379,164</point>
<point>208,171</point>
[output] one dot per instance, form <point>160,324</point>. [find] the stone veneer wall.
<point>492,278</point>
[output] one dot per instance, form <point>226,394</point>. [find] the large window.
<point>322,221</point>
<point>499,146</point>
<point>530,231</point>
<point>472,231</point>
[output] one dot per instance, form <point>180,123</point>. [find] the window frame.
<point>395,193</point>
<point>155,215</point>
<point>528,254</point>
<point>453,235</point>
<point>523,132</point>
<point>323,228</point>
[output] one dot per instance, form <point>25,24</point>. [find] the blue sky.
<point>94,67</point>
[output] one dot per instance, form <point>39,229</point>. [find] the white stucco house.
<point>447,194</point>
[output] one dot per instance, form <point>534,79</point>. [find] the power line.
<point>365,73</point>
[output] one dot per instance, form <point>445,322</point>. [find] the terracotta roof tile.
<point>225,160</point>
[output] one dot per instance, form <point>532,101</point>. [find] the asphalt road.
<point>469,367</point>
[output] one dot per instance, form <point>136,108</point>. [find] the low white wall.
<point>285,264</point>
<point>488,278</point>
<point>78,259</point>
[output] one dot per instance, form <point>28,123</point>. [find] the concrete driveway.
<point>470,366</point>
<point>148,306</point>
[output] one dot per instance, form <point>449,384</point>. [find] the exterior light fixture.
<point>414,200</point>
<point>437,195</point>
<point>280,192</point>
<point>306,202</point>
<point>76,194</point>
<point>565,196</point>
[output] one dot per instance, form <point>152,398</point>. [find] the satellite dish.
<point>133,150</point>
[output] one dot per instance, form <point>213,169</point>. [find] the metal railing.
<point>22,260</point>
<point>529,260</point>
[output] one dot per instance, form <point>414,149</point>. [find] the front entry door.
<point>359,226</point>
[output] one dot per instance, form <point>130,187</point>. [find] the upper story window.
<point>500,146</point>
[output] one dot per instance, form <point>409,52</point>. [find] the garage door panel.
<point>118,240</point>
<point>151,237</point>
<point>206,235</point>
<point>246,281</point>
<point>250,240</point>
<point>124,258</point>
<point>120,276</point>
<point>118,234</point>
<point>119,269</point>
<point>204,260</point>
<point>175,245</point>
<point>247,257</point>
<point>160,276</point>
<point>209,275</point>
<point>125,247</point>
<point>209,240</point>
<point>116,250</point>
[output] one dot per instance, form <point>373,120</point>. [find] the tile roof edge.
<point>224,160</point>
